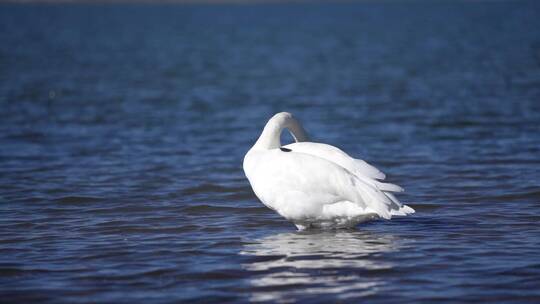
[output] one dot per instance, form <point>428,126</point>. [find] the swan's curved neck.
<point>270,136</point>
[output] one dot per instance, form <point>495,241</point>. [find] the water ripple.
<point>122,142</point>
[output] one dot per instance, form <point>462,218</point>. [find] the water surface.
<point>123,128</point>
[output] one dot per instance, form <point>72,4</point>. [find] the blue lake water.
<point>123,129</point>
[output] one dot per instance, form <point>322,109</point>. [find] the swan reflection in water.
<point>345,263</point>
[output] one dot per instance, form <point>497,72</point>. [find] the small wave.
<point>75,199</point>
<point>224,274</point>
<point>200,209</point>
<point>532,195</point>
<point>208,187</point>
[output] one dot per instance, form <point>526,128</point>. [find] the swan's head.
<point>270,138</point>
<point>281,119</point>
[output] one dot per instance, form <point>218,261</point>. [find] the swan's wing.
<point>361,169</point>
<point>299,184</point>
<point>336,155</point>
<point>358,167</point>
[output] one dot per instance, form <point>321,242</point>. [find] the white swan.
<point>314,184</point>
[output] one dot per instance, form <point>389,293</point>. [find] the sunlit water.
<point>123,128</point>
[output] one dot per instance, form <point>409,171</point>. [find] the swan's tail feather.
<point>398,208</point>
<point>365,169</point>
<point>403,211</point>
<point>387,187</point>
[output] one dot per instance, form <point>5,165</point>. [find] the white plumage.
<point>315,184</point>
